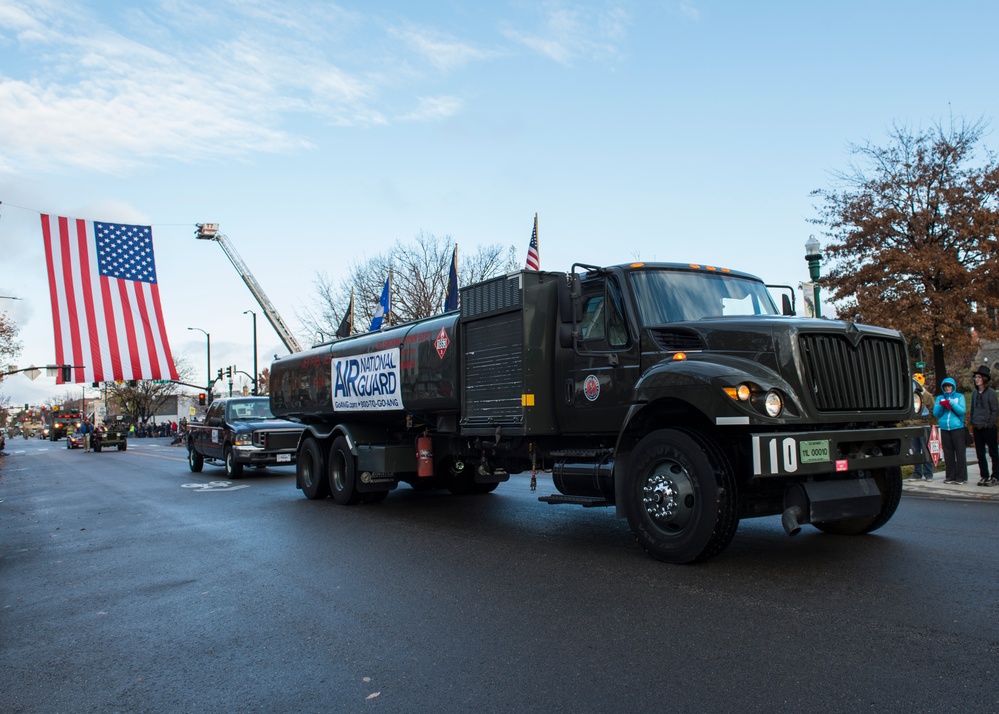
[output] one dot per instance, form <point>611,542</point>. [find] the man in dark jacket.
<point>984,415</point>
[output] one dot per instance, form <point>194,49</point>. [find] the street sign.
<point>920,365</point>
<point>32,373</point>
<point>934,445</point>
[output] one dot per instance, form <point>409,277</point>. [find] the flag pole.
<point>537,237</point>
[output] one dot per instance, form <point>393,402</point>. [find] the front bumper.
<point>825,452</point>
<point>258,456</point>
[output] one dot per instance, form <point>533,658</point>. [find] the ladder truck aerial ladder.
<point>210,231</point>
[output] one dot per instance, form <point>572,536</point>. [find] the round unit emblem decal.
<point>591,388</point>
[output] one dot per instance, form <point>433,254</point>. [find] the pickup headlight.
<point>917,404</point>
<point>244,439</point>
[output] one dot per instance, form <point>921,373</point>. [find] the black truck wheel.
<point>195,460</point>
<point>680,497</point>
<point>889,482</point>
<point>97,447</point>
<point>310,471</point>
<point>343,473</point>
<point>233,469</point>
<point>123,446</point>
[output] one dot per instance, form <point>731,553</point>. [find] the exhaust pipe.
<point>789,519</point>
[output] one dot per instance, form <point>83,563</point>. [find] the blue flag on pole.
<point>383,309</point>
<point>451,302</point>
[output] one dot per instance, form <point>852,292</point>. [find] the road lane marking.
<point>214,486</point>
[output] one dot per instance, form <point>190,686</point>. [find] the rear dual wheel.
<point>311,471</point>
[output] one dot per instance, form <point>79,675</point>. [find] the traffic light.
<point>228,372</point>
<point>67,373</point>
<point>220,374</point>
<point>25,407</point>
<point>202,399</point>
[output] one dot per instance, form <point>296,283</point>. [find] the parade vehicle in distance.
<point>105,437</point>
<point>74,440</point>
<point>61,422</point>
<point>680,395</point>
<point>241,431</point>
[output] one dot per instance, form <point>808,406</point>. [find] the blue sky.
<point>317,134</point>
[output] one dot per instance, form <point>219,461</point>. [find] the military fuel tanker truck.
<point>679,395</point>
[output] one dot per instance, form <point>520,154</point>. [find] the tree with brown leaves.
<point>913,229</point>
<point>419,282</point>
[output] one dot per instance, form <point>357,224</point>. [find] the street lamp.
<point>208,379</point>
<point>254,349</point>
<point>813,256</point>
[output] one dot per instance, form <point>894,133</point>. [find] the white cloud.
<point>87,94</point>
<point>444,53</point>
<point>569,33</point>
<point>434,108</point>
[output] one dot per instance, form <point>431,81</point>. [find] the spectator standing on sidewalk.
<point>984,415</point>
<point>949,411</point>
<point>923,470</point>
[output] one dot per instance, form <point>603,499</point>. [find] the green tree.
<point>419,282</point>
<point>913,227</point>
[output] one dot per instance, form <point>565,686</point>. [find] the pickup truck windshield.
<point>678,295</point>
<point>248,410</point>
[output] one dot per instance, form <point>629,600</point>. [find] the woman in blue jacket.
<point>949,410</point>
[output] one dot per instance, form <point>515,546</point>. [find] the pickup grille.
<point>868,377</point>
<point>276,440</point>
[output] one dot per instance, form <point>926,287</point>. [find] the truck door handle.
<point>570,390</point>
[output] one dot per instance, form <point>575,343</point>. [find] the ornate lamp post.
<point>813,256</point>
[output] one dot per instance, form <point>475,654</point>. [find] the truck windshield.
<point>679,295</point>
<point>248,410</point>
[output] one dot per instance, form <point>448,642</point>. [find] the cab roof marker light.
<point>637,265</point>
<point>695,265</point>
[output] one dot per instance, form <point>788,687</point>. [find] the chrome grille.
<point>841,377</point>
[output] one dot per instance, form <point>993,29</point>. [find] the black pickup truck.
<point>241,431</point>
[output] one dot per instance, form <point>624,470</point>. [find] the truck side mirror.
<point>570,310</point>
<point>785,305</point>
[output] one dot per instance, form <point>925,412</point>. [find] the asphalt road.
<point>128,583</point>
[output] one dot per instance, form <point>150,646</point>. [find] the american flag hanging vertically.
<point>105,301</point>
<point>533,257</point>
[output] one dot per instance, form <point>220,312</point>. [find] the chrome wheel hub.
<point>668,496</point>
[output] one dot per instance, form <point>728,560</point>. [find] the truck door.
<point>213,434</point>
<point>598,377</point>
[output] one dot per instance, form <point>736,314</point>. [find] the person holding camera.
<point>949,411</point>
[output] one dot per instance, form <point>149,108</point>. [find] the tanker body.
<point>677,394</point>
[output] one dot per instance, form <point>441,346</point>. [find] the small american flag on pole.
<point>533,257</point>
<point>105,301</point>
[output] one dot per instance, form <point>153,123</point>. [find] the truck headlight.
<point>244,439</point>
<point>917,403</point>
<point>773,403</point>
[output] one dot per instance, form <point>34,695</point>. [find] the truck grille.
<point>870,376</point>
<point>274,440</point>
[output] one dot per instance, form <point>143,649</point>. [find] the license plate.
<point>284,458</point>
<point>814,452</point>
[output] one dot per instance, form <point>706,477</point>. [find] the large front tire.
<point>233,469</point>
<point>889,481</point>
<point>343,473</point>
<point>680,497</point>
<point>311,472</point>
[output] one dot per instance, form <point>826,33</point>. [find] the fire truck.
<point>62,420</point>
<point>679,395</point>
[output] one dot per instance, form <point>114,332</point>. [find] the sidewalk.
<point>964,491</point>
